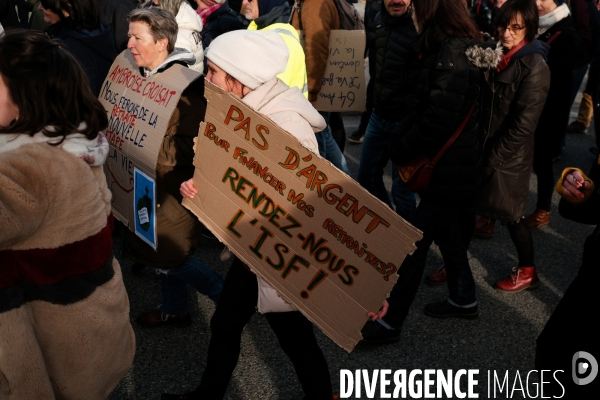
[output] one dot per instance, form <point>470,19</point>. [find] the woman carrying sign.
<point>255,82</point>
<point>152,35</point>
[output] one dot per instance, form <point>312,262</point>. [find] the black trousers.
<point>451,227</point>
<point>294,332</point>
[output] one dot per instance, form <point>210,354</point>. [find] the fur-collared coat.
<point>511,104</point>
<point>64,312</point>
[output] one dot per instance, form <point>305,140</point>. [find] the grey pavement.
<point>502,338</point>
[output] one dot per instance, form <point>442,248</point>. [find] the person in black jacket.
<point>571,330</point>
<point>218,18</point>
<point>8,14</point>
<point>114,13</point>
<point>558,30</point>
<point>446,98</point>
<point>77,24</point>
<point>395,82</point>
<point>372,8</point>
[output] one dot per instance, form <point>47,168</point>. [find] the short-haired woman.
<point>77,24</point>
<point>512,101</point>
<point>152,37</point>
<point>64,312</point>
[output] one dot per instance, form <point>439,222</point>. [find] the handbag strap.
<point>297,7</point>
<point>556,34</point>
<point>453,138</point>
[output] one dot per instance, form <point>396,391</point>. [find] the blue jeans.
<point>329,149</point>
<point>444,224</point>
<point>374,158</point>
<point>174,283</point>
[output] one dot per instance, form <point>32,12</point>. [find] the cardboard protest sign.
<point>325,244</point>
<point>139,110</point>
<point>344,84</point>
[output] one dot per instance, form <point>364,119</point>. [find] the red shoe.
<point>520,278</point>
<point>484,228</point>
<point>538,219</point>
<point>437,278</point>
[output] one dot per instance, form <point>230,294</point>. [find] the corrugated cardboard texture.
<point>344,83</point>
<point>139,110</point>
<point>329,247</point>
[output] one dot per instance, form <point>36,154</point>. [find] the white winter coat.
<point>188,37</point>
<point>289,109</point>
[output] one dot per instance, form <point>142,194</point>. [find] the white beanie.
<point>251,57</point>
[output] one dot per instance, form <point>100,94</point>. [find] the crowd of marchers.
<point>483,88</point>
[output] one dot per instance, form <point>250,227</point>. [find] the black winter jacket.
<point>114,13</point>
<point>372,8</point>
<point>562,56</point>
<point>395,74</point>
<point>222,20</point>
<point>449,85</point>
<point>94,50</point>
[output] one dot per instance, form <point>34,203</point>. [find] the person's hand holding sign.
<point>381,313</point>
<point>187,189</point>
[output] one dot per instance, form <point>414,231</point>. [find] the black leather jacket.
<point>511,104</point>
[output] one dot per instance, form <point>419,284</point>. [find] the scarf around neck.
<point>558,14</point>
<point>505,58</point>
<point>205,12</point>
<point>92,151</point>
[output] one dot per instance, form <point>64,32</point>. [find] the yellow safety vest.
<point>295,72</point>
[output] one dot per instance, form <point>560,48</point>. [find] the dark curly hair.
<point>48,86</point>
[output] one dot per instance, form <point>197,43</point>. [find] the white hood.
<point>188,37</point>
<point>187,18</point>
<point>289,109</point>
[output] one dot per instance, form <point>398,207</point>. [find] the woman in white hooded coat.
<point>190,26</point>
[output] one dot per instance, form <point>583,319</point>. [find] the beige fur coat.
<point>64,312</point>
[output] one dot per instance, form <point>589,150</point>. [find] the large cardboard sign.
<point>139,110</point>
<point>324,243</point>
<point>344,84</point>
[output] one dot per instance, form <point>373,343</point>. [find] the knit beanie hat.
<point>251,57</point>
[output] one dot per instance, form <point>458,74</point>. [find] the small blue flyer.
<point>144,207</point>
